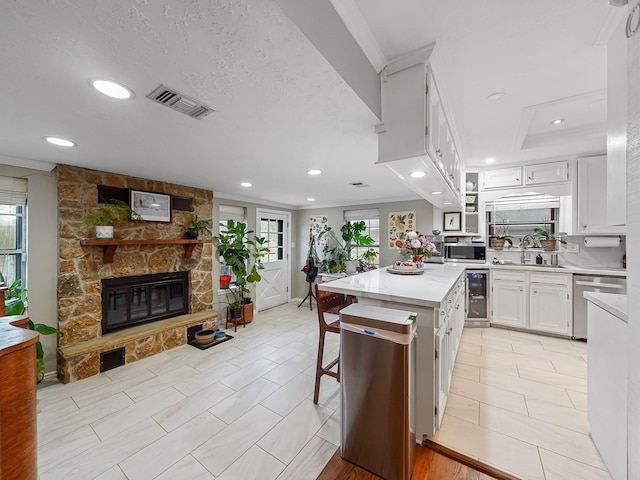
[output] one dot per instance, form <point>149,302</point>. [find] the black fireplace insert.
<point>130,301</point>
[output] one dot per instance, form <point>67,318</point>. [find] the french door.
<point>273,289</point>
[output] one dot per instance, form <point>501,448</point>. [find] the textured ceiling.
<point>281,109</point>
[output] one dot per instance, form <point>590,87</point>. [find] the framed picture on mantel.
<point>152,207</point>
<point>451,221</point>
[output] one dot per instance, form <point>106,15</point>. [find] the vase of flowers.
<point>416,246</point>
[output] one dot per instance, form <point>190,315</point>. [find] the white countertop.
<point>615,272</point>
<point>613,303</point>
<point>428,289</point>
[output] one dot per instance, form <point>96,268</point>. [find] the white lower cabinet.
<point>509,298</point>
<point>536,301</point>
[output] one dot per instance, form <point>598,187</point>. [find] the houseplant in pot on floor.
<point>242,252</point>
<point>341,257</point>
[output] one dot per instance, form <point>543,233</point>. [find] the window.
<point>273,230</point>
<point>518,217</point>
<point>12,229</point>
<point>371,218</point>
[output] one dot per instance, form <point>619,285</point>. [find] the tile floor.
<point>243,409</point>
<point>518,402</point>
<point>240,410</point>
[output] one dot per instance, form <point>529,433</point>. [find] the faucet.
<point>524,243</point>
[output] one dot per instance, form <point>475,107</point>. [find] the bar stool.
<point>329,305</point>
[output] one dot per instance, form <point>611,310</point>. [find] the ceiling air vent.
<point>359,184</point>
<point>179,102</point>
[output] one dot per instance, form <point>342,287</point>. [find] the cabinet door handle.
<point>517,179</point>
<point>531,176</point>
<point>584,227</point>
<point>520,288</point>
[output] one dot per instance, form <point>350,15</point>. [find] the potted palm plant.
<point>238,249</point>
<point>107,216</point>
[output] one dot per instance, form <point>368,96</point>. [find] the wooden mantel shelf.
<point>109,246</point>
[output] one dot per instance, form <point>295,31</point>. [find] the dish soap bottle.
<point>539,259</point>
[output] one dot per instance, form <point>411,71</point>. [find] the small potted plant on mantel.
<point>237,250</point>
<point>198,226</point>
<point>107,216</point>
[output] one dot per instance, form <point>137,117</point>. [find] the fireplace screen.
<point>129,301</point>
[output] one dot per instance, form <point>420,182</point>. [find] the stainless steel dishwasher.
<point>377,357</point>
<point>591,283</point>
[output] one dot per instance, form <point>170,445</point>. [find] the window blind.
<point>231,212</point>
<point>13,191</point>
<point>369,214</point>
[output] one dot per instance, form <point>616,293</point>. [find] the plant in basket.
<point>417,246</point>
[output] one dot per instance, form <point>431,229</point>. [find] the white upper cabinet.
<point>542,173</point>
<point>502,178</point>
<point>415,134</point>
<point>592,197</point>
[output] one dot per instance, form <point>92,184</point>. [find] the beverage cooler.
<point>477,304</point>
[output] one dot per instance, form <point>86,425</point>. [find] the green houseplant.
<point>499,238</point>
<point>547,240</point>
<point>108,215</point>
<point>238,249</point>
<point>197,227</point>
<point>339,257</point>
<point>14,304</point>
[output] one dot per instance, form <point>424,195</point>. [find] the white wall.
<point>42,251</point>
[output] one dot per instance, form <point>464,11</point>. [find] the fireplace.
<point>130,301</point>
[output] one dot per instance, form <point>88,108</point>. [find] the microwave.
<point>465,252</point>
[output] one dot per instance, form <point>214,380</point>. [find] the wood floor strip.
<point>468,461</point>
<point>430,464</point>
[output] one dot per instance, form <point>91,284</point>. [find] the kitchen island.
<point>437,297</point>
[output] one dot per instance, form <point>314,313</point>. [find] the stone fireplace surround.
<point>81,270</point>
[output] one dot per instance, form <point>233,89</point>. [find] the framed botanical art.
<point>451,221</point>
<point>400,223</point>
<point>152,207</point>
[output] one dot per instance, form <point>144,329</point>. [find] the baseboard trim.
<point>468,461</point>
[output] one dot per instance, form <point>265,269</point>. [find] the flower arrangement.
<point>416,245</point>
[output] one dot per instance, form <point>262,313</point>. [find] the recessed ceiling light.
<point>495,96</point>
<point>314,172</point>
<point>418,174</point>
<point>558,121</point>
<point>310,199</point>
<point>246,184</point>
<point>446,203</point>
<point>61,142</point>
<point>112,89</point>
<point>436,193</point>
<point>490,160</point>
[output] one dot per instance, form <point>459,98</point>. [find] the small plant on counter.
<point>499,238</point>
<point>547,240</point>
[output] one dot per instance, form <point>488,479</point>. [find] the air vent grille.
<point>359,184</point>
<point>179,102</point>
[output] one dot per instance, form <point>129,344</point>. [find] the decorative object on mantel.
<point>108,216</point>
<point>152,207</point>
<point>198,226</point>
<point>399,223</point>
<point>417,246</point>
<point>238,249</point>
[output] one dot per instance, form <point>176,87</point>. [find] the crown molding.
<point>359,29</point>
